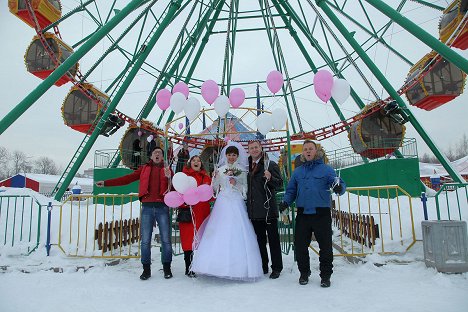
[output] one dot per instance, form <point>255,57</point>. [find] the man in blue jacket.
<point>310,187</point>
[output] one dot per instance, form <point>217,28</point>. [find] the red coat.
<point>153,182</point>
<point>200,211</point>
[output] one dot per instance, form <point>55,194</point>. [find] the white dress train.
<point>228,245</point>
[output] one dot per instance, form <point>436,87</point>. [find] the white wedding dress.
<point>228,245</point>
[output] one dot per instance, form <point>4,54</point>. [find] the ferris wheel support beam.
<point>391,91</point>
<point>293,16</point>
<point>30,99</point>
<point>162,84</point>
<point>420,33</point>
<point>174,7</point>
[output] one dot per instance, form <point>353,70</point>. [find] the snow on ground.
<point>379,284</point>
<point>376,283</point>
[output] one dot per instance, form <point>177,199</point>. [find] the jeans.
<point>152,212</point>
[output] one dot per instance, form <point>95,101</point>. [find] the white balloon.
<point>180,181</point>
<point>149,138</point>
<point>279,118</point>
<point>221,105</point>
<point>264,123</point>
<point>191,182</point>
<point>178,102</point>
<point>138,124</point>
<point>192,108</point>
<point>340,90</point>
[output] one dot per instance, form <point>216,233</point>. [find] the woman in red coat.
<point>200,211</point>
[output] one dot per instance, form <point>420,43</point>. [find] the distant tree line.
<point>459,150</point>
<point>15,162</point>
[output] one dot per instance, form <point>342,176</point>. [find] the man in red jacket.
<point>154,183</point>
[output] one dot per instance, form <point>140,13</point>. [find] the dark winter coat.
<point>257,194</point>
<point>200,211</point>
<point>153,182</point>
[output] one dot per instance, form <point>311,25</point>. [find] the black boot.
<point>167,270</point>
<point>146,272</point>
<point>304,279</point>
<point>325,282</point>
<point>188,261</point>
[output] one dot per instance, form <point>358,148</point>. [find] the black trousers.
<point>262,229</point>
<point>320,224</point>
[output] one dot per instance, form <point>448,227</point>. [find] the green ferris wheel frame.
<point>191,42</point>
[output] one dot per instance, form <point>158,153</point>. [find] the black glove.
<point>283,206</point>
<point>338,189</point>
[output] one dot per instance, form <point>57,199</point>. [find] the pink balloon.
<point>205,192</point>
<point>236,97</point>
<point>323,83</point>
<point>182,88</point>
<point>173,199</point>
<point>140,133</point>
<point>210,91</point>
<point>163,98</point>
<point>191,196</point>
<point>181,125</point>
<point>275,81</point>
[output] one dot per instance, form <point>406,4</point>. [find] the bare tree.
<point>45,165</point>
<point>450,154</point>
<point>462,147</point>
<point>4,163</point>
<point>20,162</point>
<point>425,158</point>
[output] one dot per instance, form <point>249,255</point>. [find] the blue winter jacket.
<point>310,186</point>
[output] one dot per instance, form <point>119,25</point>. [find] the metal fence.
<point>346,157</point>
<point>20,223</point>
<point>457,191</point>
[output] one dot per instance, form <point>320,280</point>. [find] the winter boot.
<point>325,282</point>
<point>146,272</point>
<point>304,279</point>
<point>167,270</point>
<point>188,261</point>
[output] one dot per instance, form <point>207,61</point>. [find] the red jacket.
<point>200,211</point>
<point>153,182</point>
<point>201,176</point>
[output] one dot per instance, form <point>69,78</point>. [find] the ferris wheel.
<point>163,45</point>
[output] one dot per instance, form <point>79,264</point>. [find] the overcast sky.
<point>40,130</point>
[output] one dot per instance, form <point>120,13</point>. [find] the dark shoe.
<point>304,279</point>
<point>188,261</point>
<point>167,270</point>
<point>191,274</point>
<point>325,283</point>
<point>275,274</point>
<point>146,272</point>
<point>265,270</point>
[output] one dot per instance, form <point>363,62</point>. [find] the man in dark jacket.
<point>310,187</point>
<point>154,183</point>
<point>263,180</point>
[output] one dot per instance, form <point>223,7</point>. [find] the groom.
<point>262,181</point>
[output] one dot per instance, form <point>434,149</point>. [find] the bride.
<point>228,246</point>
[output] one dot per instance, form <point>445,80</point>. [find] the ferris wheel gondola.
<point>46,12</point>
<point>453,28</point>
<point>41,64</point>
<point>436,82</point>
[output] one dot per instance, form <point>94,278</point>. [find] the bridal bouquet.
<point>232,172</point>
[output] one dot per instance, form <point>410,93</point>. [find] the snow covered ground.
<point>377,283</point>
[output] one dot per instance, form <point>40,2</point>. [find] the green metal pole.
<point>175,5</point>
<point>391,91</point>
<point>287,20</point>
<point>29,100</point>
<point>184,51</point>
<point>419,33</point>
